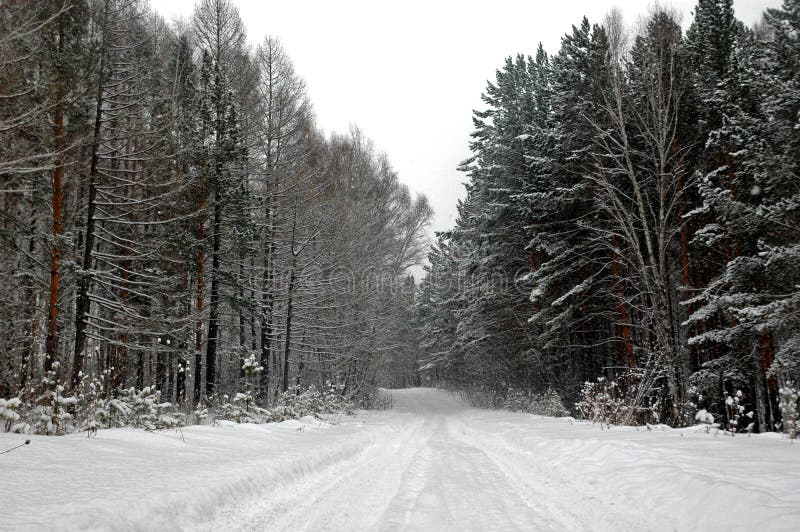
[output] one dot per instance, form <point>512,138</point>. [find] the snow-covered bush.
<point>735,411</point>
<point>608,403</point>
<point>691,407</point>
<point>119,411</point>
<point>789,396</point>
<point>706,418</point>
<point>51,412</point>
<point>200,414</point>
<point>251,367</point>
<point>548,404</point>
<point>143,406</point>
<point>292,404</point>
<point>721,378</point>
<point>600,402</point>
<point>9,415</point>
<point>241,409</point>
<point>480,397</point>
<point>296,403</point>
<point>92,409</point>
<point>167,417</point>
<point>148,412</point>
<point>137,409</point>
<point>52,416</point>
<point>516,401</point>
<point>377,399</point>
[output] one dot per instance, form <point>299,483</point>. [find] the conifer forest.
<point>630,228</point>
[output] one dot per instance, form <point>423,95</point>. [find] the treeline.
<point>172,218</point>
<point>633,215</point>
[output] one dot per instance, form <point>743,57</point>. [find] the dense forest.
<point>175,227</point>
<point>217,315</point>
<point>171,217</point>
<point>630,237</point>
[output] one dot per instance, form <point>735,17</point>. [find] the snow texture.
<point>432,463</point>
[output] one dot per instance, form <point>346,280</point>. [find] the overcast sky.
<point>409,73</point>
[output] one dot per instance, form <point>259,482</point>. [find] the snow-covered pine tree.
<point>440,301</point>
<point>220,35</point>
<point>490,229</point>
<point>570,275</point>
<point>714,46</point>
<point>753,296</point>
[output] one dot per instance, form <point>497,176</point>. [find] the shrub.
<point>789,396</point>
<point>607,403</point>
<point>546,404</point>
<point>90,409</point>
<point>9,415</point>
<point>241,409</point>
<point>377,399</point>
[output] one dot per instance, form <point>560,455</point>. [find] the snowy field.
<point>432,463</point>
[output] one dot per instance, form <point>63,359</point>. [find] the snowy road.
<point>422,474</point>
<point>431,463</point>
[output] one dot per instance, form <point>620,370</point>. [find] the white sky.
<point>409,72</point>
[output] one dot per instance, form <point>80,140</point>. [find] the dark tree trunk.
<point>288,338</point>
<point>84,301</point>
<point>213,309</point>
<point>200,306</point>
<point>267,302</point>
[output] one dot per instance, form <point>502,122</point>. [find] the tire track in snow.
<point>397,514</point>
<point>572,504</point>
<point>322,498</point>
<point>417,474</point>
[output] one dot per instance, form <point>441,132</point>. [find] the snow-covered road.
<point>431,463</point>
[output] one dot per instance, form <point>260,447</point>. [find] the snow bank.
<point>127,479</point>
<point>660,479</point>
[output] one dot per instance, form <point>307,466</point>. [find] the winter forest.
<point>177,230</point>
<point>629,240</point>
<point>172,219</point>
<point>217,314</point>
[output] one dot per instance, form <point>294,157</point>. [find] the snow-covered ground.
<point>432,463</point>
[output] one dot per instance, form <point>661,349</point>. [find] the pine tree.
<point>494,325</point>
<point>571,278</point>
<point>749,298</point>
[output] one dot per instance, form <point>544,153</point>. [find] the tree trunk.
<point>242,318</point>
<point>623,326</point>
<point>213,309</point>
<point>266,321</point>
<point>30,314</point>
<point>200,305</point>
<point>180,379</point>
<point>51,344</point>
<point>288,335</point>
<point>84,301</point>
<point>300,365</point>
<point>766,356</point>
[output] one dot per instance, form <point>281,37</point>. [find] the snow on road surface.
<point>431,463</point>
